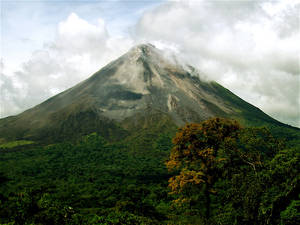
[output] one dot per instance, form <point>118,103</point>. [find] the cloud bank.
<point>79,49</point>
<point>250,47</point>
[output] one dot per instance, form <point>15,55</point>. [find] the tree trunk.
<point>207,203</point>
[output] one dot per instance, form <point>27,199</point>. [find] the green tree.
<point>280,200</point>
<point>195,156</point>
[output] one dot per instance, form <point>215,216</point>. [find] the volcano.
<point>141,89</point>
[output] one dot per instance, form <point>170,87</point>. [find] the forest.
<point>210,173</point>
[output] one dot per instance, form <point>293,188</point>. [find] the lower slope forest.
<point>212,173</point>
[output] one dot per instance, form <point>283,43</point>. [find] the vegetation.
<point>14,144</point>
<point>195,152</point>
<point>219,173</point>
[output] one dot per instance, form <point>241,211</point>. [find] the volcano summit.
<point>142,88</point>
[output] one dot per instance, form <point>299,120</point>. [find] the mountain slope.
<point>125,96</point>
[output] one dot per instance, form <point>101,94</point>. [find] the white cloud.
<point>79,49</point>
<point>76,35</point>
<point>250,47</point>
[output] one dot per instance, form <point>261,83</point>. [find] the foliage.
<point>236,175</point>
<point>14,144</point>
<point>195,152</point>
<point>88,182</point>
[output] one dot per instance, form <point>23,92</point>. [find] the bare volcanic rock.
<point>132,92</point>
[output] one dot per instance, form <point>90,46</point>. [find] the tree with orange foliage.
<point>195,155</point>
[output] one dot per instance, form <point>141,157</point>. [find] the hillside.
<point>132,93</point>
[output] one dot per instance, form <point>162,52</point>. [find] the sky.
<point>250,47</point>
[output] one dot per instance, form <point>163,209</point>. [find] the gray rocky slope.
<point>142,82</point>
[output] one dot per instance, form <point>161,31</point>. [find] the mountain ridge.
<point>139,82</point>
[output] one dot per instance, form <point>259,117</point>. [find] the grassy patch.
<point>13,144</point>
